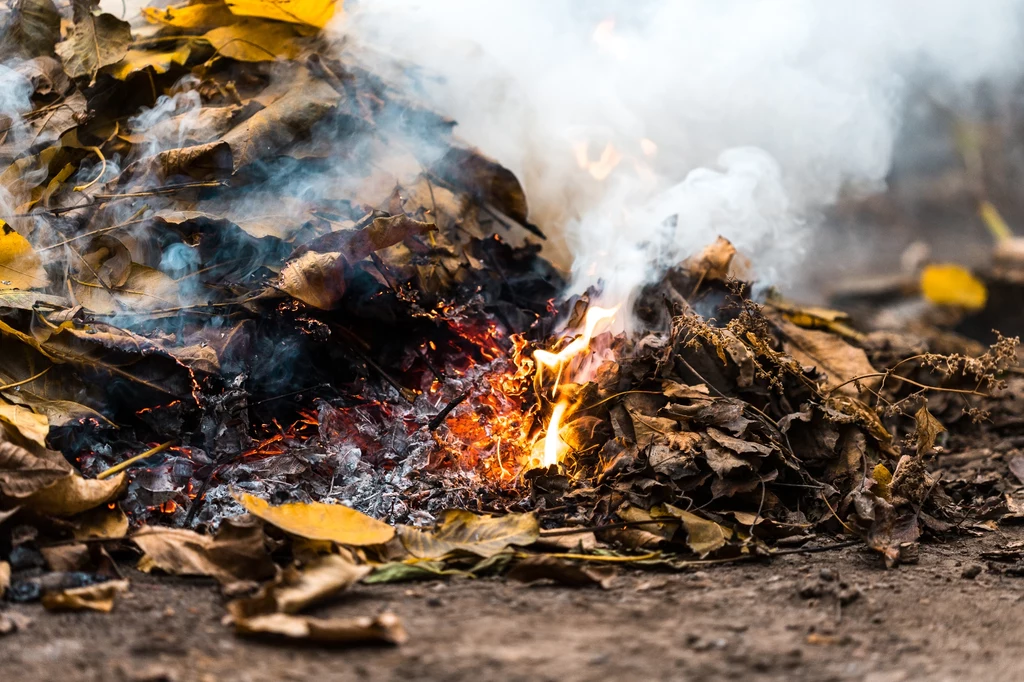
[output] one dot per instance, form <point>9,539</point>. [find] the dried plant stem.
<point>121,466</point>
<point>32,378</point>
<point>103,169</point>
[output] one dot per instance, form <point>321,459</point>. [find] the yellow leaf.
<point>311,12</point>
<point>953,285</point>
<point>101,523</point>
<point>98,597</point>
<point>30,425</point>
<point>138,60</point>
<point>192,15</point>
<point>74,494</point>
<point>318,521</point>
<point>256,40</point>
<point>20,266</point>
<point>702,536</point>
<point>882,479</point>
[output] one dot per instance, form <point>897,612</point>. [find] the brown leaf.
<point>355,245</point>
<point>738,445</point>
<point>702,536</point>
<point>22,473</point>
<point>5,577</point>
<point>32,29</point>
<point>295,590</point>
<point>1017,467</point>
<point>235,554</point>
<point>385,628</point>
<point>543,567</point>
<point>484,179</point>
<point>101,522</point>
<point>93,42</point>
<point>714,261</point>
<point>67,558</point>
<point>18,421</point>
<point>73,494</point>
<point>837,360</point>
<point>317,279</point>
<point>98,597</point>
<point>318,521</point>
<point>463,531</point>
<point>928,429</point>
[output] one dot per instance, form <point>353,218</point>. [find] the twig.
<point>117,468</point>
<point>446,410</point>
<point>817,548</point>
<point>103,169</point>
<point>32,378</point>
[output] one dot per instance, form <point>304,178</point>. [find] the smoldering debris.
<point>264,318</point>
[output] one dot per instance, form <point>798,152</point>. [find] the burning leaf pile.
<point>258,308</point>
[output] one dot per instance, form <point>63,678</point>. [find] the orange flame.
<point>603,166</point>
<point>554,446</point>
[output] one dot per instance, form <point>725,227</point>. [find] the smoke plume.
<point>643,129</point>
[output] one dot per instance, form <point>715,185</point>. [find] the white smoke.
<point>761,112</point>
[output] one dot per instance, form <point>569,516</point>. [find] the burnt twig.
<point>443,414</point>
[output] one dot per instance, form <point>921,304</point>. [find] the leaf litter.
<point>322,306</point>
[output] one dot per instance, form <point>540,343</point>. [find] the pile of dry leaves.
<point>254,299</point>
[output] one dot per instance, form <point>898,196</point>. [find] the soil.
<point>951,616</point>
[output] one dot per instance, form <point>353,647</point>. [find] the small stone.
<point>827,574</point>
<point>971,572</point>
<point>812,591</point>
<point>435,602</point>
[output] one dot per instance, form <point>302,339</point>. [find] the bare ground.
<point>780,620</point>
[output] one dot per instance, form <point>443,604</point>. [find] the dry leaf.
<point>98,597</point>
<point>101,523</point>
<point>26,423</point>
<point>385,628</point>
<point>702,536</point>
<point>355,245</point>
<point>20,266</point>
<point>295,590</point>
<point>317,279</point>
<point>953,285</point>
<point>318,521</point>
<point>67,558</point>
<point>5,577</point>
<point>22,473</point>
<point>32,28</point>
<point>543,567</point>
<point>311,12</point>
<point>928,429</point>
<point>831,355</point>
<point>139,60</point>
<point>714,261</point>
<point>256,40</point>
<point>93,42</point>
<point>191,15</point>
<point>73,494</point>
<point>464,531</point>
<point>236,553</point>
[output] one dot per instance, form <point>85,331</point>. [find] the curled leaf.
<point>318,521</point>
<point>93,41</point>
<point>467,532</point>
<point>98,597</point>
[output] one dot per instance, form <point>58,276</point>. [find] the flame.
<point>554,446</point>
<point>648,147</point>
<point>603,166</point>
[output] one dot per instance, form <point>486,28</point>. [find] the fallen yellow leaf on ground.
<point>138,60</point>
<point>20,266</point>
<point>25,422</point>
<point>318,521</point>
<point>192,15</point>
<point>295,590</point>
<point>953,285</point>
<point>385,628</point>
<point>99,597</point>
<point>74,494</point>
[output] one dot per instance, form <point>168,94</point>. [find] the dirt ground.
<point>940,619</point>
